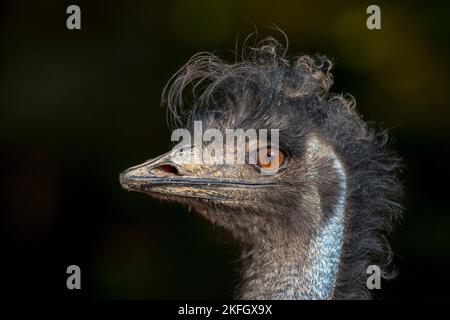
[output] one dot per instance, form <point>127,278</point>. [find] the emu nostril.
<point>167,168</point>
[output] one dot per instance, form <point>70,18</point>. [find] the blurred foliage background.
<point>78,107</point>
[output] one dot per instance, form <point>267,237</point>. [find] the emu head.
<point>262,94</point>
<point>327,160</point>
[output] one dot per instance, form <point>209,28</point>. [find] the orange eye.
<point>270,159</point>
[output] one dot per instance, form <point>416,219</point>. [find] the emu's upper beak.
<point>163,177</point>
<point>153,172</point>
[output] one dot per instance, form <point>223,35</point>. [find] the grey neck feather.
<point>291,271</point>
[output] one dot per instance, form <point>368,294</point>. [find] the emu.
<point>310,230</point>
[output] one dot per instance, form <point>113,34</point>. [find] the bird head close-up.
<point>225,155</point>
<point>312,210</point>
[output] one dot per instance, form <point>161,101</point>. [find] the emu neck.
<point>299,269</point>
<point>289,271</point>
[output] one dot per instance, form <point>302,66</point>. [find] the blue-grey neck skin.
<point>297,271</point>
<point>325,252</point>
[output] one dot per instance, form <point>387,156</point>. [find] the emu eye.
<point>270,159</point>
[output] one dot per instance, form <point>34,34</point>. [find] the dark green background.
<point>78,107</point>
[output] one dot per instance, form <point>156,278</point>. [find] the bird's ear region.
<point>316,148</point>
<point>319,153</point>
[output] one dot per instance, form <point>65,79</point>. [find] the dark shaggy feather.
<point>268,90</point>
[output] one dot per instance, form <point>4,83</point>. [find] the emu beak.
<point>166,177</point>
<point>163,177</point>
<point>152,173</point>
